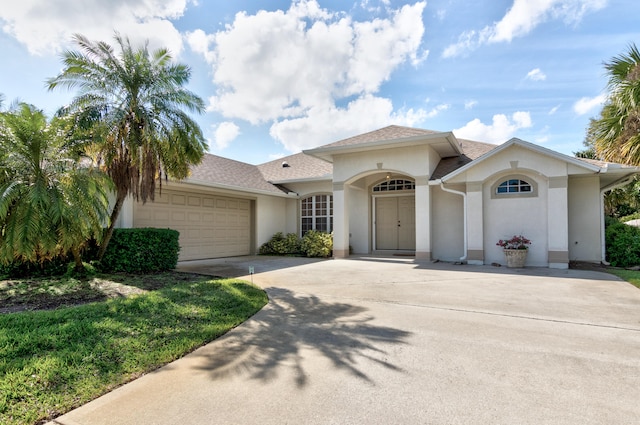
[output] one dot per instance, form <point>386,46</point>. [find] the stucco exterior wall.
<point>509,216</point>
<point>447,225</point>
<point>584,226</point>
<point>359,220</point>
<point>270,218</point>
<point>412,161</point>
<point>304,189</point>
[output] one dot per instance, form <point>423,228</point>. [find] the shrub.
<point>55,267</point>
<point>623,245</point>
<point>281,245</point>
<point>317,244</point>
<point>141,251</point>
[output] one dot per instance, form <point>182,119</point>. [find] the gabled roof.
<point>223,172</point>
<point>393,136</point>
<point>392,132</point>
<point>300,167</point>
<point>536,148</point>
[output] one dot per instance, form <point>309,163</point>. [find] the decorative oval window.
<point>513,186</point>
<point>394,185</point>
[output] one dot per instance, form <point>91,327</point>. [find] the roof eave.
<point>233,188</point>
<point>303,180</point>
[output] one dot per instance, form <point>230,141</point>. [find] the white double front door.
<point>395,223</point>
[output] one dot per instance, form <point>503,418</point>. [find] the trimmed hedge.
<point>623,245</point>
<point>141,251</point>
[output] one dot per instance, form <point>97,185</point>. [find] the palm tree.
<point>617,131</point>
<point>132,104</point>
<point>50,203</point>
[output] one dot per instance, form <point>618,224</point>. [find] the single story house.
<point>395,190</point>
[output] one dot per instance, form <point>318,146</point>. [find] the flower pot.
<point>515,257</point>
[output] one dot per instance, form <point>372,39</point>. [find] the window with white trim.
<point>316,213</point>
<point>394,185</point>
<point>513,186</point>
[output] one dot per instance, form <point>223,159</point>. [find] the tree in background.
<point>618,202</point>
<point>617,131</point>
<point>131,107</point>
<point>50,204</point>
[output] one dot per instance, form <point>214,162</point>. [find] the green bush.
<point>281,245</point>
<point>54,267</point>
<point>623,245</point>
<point>317,244</point>
<point>141,251</point>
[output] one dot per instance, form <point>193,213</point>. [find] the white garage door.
<point>210,226</point>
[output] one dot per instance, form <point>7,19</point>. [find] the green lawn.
<point>52,361</point>
<point>631,276</point>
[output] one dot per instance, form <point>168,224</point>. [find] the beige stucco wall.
<point>359,220</point>
<point>412,161</point>
<point>447,225</point>
<point>270,218</point>
<point>584,226</point>
<point>509,216</point>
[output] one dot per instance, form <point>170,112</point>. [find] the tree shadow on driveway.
<point>275,337</point>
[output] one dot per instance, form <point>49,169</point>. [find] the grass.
<point>631,276</point>
<point>52,361</point>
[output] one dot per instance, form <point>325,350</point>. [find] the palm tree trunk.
<point>77,259</point>
<point>115,213</point>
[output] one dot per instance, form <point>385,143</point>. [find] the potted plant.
<point>515,250</point>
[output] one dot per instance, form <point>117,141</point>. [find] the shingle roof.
<point>223,171</point>
<point>471,150</point>
<point>218,170</point>
<point>392,132</point>
<point>301,166</point>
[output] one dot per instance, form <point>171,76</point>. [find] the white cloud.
<point>554,110</point>
<point>46,27</point>
<point>587,104</point>
<point>469,104</point>
<point>225,133</point>
<point>293,67</point>
<point>536,75</point>
<point>435,111</point>
<point>500,130</point>
<point>522,18</point>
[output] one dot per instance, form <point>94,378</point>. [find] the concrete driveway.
<point>395,341</point>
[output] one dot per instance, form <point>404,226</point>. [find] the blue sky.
<point>281,76</point>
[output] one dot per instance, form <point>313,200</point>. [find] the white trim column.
<point>558,219</point>
<point>475,224</point>
<point>423,218</point>
<point>340,221</point>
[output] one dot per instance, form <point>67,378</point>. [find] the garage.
<point>210,225</point>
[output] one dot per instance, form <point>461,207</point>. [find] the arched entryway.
<point>394,220</point>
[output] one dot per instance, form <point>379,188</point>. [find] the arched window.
<point>517,186</point>
<point>513,186</point>
<point>394,185</point>
<point>316,213</point>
